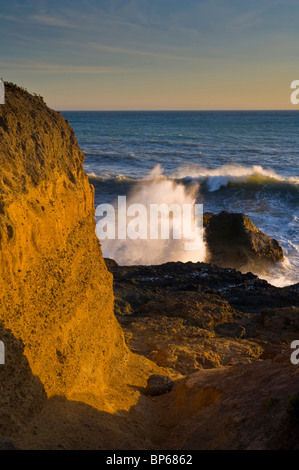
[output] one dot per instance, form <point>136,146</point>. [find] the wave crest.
<point>236,174</point>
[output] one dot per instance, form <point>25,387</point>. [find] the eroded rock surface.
<point>193,316</point>
<point>227,336</point>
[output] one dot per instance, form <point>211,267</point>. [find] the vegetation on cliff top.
<point>13,86</point>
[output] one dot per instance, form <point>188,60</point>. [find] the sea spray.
<point>159,200</point>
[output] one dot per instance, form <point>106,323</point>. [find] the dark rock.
<point>139,285</point>
<point>280,320</point>
<point>201,310</point>
<point>235,242</point>
<point>158,385</point>
<point>110,263</point>
<point>206,218</point>
<point>191,316</point>
<point>6,444</point>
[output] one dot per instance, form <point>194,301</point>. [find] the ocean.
<point>244,161</point>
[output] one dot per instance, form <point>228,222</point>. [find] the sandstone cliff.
<point>56,298</point>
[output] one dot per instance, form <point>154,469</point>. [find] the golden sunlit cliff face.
<point>55,291</point>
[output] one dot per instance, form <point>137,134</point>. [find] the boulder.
<point>158,385</point>
<point>234,241</point>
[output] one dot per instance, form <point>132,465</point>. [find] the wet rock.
<point>158,385</point>
<point>234,241</point>
<point>139,285</point>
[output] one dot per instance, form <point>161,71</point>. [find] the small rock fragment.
<point>158,385</point>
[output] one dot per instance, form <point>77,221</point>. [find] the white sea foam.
<point>281,275</point>
<point>215,178</point>
<point>156,189</point>
<point>219,177</point>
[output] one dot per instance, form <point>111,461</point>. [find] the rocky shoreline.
<point>224,338</point>
<point>190,316</point>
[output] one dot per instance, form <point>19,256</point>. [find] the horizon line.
<point>172,110</point>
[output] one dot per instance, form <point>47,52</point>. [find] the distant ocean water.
<point>235,161</point>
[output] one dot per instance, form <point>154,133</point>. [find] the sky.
<point>152,54</point>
